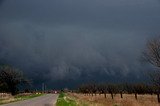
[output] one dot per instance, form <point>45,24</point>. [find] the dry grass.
<point>7,98</point>
<point>127,100</point>
<point>5,95</point>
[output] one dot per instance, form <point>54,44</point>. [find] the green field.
<point>23,97</point>
<point>64,100</point>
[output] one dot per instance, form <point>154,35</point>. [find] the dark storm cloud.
<point>61,39</point>
<point>1,1</point>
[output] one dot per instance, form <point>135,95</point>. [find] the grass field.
<point>18,98</point>
<point>24,97</point>
<point>64,100</point>
<point>127,100</point>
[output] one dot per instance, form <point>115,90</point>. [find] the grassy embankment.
<point>65,100</point>
<point>68,99</point>
<point>18,98</point>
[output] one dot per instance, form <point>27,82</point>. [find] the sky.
<point>64,43</point>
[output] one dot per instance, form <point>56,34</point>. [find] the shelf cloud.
<point>59,40</point>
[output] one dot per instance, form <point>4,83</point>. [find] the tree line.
<point>113,89</point>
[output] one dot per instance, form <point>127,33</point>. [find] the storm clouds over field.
<point>70,41</point>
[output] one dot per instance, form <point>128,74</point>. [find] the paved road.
<point>46,100</point>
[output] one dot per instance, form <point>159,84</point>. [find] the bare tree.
<point>102,89</point>
<point>112,89</point>
<point>12,78</point>
<point>120,89</point>
<point>152,55</point>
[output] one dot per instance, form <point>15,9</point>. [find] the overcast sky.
<point>76,40</point>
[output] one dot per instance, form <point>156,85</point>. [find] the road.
<point>46,100</point>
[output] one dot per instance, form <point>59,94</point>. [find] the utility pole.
<point>43,88</point>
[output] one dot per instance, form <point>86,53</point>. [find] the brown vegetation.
<point>127,100</point>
